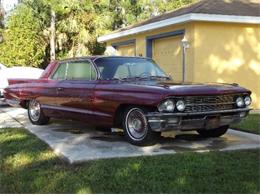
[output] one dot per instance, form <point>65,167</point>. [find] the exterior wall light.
<point>185,45</point>
<point>110,51</point>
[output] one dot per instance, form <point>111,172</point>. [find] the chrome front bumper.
<point>193,121</point>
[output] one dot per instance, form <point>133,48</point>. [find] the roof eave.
<point>179,20</point>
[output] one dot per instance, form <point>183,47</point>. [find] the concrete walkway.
<point>77,143</point>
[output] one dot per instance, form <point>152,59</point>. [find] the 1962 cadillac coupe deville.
<point>131,93</point>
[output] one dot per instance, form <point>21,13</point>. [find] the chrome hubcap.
<point>34,110</point>
<point>136,124</point>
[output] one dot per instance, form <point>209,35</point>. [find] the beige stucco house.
<point>223,38</point>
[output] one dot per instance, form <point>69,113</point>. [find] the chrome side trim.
<point>78,110</point>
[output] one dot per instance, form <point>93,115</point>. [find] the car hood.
<point>189,88</point>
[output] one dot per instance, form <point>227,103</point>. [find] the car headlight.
<point>240,102</point>
<point>167,105</point>
<point>247,100</point>
<point>180,105</point>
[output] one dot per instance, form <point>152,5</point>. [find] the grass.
<point>28,165</point>
<point>250,124</point>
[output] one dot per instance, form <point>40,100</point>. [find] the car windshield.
<point>128,68</point>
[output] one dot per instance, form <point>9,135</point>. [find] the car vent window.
<point>60,73</point>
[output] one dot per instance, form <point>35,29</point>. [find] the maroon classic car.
<point>132,93</point>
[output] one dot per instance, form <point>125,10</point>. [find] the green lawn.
<point>250,124</point>
<point>28,166</point>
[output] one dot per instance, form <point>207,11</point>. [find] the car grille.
<point>209,103</point>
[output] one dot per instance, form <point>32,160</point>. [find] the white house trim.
<point>181,19</point>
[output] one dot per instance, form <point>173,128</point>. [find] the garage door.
<point>126,50</point>
<point>167,52</point>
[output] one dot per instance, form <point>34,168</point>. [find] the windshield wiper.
<point>157,77</point>
<point>113,79</point>
<point>164,77</point>
<point>141,78</point>
<point>127,78</point>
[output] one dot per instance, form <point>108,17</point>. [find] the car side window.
<point>81,70</point>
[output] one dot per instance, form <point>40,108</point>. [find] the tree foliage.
<point>1,15</point>
<point>78,24</point>
<point>1,21</point>
<point>126,12</point>
<point>23,43</point>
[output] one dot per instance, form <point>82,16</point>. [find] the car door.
<point>76,92</point>
<point>47,91</point>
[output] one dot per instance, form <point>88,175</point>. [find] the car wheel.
<point>136,128</point>
<point>35,113</point>
<point>213,132</point>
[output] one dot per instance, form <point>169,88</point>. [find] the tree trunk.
<point>52,37</point>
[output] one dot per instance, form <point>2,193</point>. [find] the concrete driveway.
<point>76,143</point>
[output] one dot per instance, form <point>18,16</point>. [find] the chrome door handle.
<point>59,89</point>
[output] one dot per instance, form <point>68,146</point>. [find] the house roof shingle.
<point>238,11</point>
<point>220,7</point>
